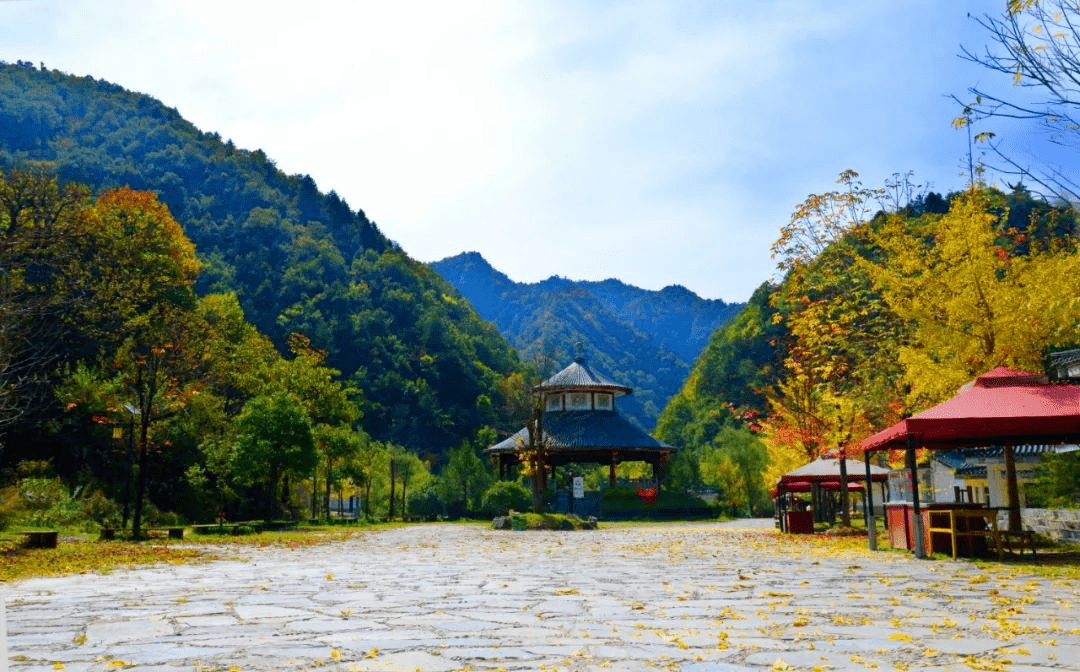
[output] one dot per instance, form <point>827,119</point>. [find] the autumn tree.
<point>839,372</point>
<point>137,273</point>
<point>973,300</point>
<point>533,450</point>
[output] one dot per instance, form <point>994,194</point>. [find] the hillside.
<point>645,339</point>
<point>298,259</point>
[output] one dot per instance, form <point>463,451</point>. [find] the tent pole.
<point>871,524</point>
<point>917,521</point>
<point>1013,488</point>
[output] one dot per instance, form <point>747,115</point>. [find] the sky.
<point>659,143</point>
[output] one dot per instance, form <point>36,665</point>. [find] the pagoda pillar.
<point>611,472</point>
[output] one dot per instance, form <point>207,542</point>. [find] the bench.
<point>1016,541</point>
<point>172,532</point>
<point>41,538</point>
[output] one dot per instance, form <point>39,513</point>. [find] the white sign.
<point>579,487</point>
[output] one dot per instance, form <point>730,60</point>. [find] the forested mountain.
<point>299,260</point>
<point>641,338</point>
<point>879,316</point>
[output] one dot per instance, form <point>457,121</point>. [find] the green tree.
<point>736,464</point>
<point>39,231</point>
<point>339,446</point>
<point>465,477</point>
<point>274,439</point>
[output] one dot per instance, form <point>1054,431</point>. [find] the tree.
<point>339,445</point>
<point>39,230</point>
<point>839,371</point>
<point>971,299</point>
<point>533,451</point>
<point>465,477</point>
<point>736,464</point>
<point>273,439</point>
<point>142,281</point>
<point>1036,43</point>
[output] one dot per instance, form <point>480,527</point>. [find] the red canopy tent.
<point>1003,407</point>
<point>824,473</point>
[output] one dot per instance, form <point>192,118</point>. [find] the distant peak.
<point>678,290</point>
<point>469,257</point>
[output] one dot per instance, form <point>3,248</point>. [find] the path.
<point>696,598</point>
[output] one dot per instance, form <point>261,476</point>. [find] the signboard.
<point>579,487</point>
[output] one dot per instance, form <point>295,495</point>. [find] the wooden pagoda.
<point>582,426</point>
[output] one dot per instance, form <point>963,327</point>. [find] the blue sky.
<point>657,142</point>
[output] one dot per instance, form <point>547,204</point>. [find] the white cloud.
<point>656,142</point>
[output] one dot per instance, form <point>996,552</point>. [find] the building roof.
<point>1000,406</point>
<point>579,376</point>
<point>962,461</point>
<point>828,469</point>
<point>586,430</point>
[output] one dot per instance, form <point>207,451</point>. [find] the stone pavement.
<point>696,598</point>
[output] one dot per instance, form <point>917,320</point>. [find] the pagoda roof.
<point>579,376</point>
<point>585,430</point>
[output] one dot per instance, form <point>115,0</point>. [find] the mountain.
<point>298,259</point>
<point>645,339</point>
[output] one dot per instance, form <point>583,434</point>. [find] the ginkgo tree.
<point>970,299</point>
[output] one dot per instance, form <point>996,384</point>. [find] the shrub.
<point>505,496</point>
<point>622,502</point>
<point>425,503</point>
<point>102,510</point>
<point>10,506</point>
<point>547,521</point>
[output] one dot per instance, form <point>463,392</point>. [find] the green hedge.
<point>621,503</point>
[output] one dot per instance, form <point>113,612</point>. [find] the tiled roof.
<point>580,375</point>
<point>962,461</point>
<point>586,430</point>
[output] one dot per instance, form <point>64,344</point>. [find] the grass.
<point>80,553</point>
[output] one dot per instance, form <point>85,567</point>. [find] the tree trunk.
<point>392,485</point>
<point>845,513</point>
<point>326,506</point>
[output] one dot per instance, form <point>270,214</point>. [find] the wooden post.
<point>916,521</point>
<point>1013,489</point>
<point>611,472</point>
<point>871,523</point>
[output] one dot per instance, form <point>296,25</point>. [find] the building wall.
<point>1061,524</point>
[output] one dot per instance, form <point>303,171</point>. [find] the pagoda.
<point>581,426</point>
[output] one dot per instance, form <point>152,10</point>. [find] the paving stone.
<point>437,598</point>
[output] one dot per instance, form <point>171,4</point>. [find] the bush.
<point>425,503</point>
<point>505,496</point>
<point>623,502</point>
<point>102,510</point>
<point>548,521</point>
<point>10,506</point>
<point>47,503</point>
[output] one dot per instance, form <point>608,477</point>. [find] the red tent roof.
<point>807,486</point>
<point>1001,406</point>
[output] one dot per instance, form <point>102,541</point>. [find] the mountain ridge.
<point>642,338</point>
